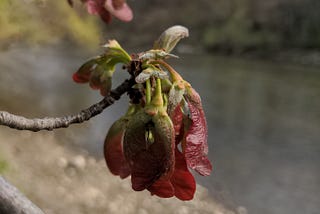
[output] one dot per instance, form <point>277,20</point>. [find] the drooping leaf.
<point>113,150</point>
<point>195,145</point>
<point>177,120</point>
<point>182,180</point>
<point>170,37</point>
<point>84,72</point>
<point>99,70</point>
<point>162,188</point>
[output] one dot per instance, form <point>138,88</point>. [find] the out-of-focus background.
<point>255,63</point>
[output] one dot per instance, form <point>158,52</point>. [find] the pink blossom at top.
<point>108,8</point>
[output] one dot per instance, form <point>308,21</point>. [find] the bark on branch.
<point>50,123</point>
<point>13,202</point>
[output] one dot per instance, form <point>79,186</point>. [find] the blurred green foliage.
<point>39,21</point>
<point>238,31</point>
<point>256,25</point>
<point>232,26</point>
<point>298,23</point>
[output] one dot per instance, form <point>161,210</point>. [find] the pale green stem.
<point>165,101</point>
<point>157,99</point>
<point>148,92</point>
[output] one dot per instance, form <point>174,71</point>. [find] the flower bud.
<point>148,147</point>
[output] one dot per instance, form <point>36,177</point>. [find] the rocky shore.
<point>60,179</point>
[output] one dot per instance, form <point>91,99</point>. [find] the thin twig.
<point>50,123</point>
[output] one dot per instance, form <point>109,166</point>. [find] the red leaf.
<point>196,146</point>
<point>182,180</point>
<point>181,184</point>
<point>177,119</point>
<point>113,150</point>
<point>162,188</point>
<point>84,72</point>
<point>80,78</point>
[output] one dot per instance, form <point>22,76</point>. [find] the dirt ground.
<point>62,180</point>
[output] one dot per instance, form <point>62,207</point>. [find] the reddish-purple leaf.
<point>113,151</point>
<point>182,180</point>
<point>162,188</point>
<point>84,72</point>
<point>195,144</point>
<point>177,120</point>
<point>181,184</point>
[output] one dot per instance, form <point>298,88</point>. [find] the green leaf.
<point>84,72</point>
<point>116,53</point>
<point>99,70</point>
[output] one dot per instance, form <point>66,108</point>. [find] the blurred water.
<point>264,132</point>
<point>263,120</point>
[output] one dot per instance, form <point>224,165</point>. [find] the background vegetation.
<point>39,21</point>
<point>229,26</point>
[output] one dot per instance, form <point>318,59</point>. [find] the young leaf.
<point>113,151</point>
<point>151,71</point>
<point>169,38</point>
<point>195,143</point>
<point>84,72</point>
<point>98,71</point>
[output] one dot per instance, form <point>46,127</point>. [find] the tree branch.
<point>13,202</point>
<point>50,123</point>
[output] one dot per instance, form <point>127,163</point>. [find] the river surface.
<point>263,119</point>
